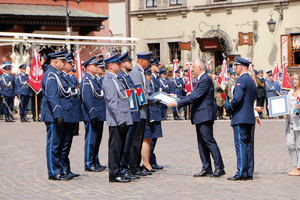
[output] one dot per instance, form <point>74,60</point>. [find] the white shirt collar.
<point>200,75</point>
<point>154,75</point>
<point>243,73</point>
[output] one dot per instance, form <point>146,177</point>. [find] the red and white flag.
<point>175,67</point>
<point>276,72</point>
<point>286,81</point>
<point>222,80</point>
<point>36,73</point>
<point>189,85</point>
<point>209,65</point>
<point>250,65</point>
<point>78,67</point>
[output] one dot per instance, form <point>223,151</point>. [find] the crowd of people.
<point>102,96</point>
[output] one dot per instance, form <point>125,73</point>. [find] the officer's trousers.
<point>93,138</point>
<point>163,111</point>
<point>67,143</point>
<point>55,138</point>
<point>134,159</point>
<point>24,104</point>
<point>244,154</point>
<point>8,101</point>
<point>125,155</point>
<point>39,102</point>
<point>116,144</point>
<point>152,158</point>
<point>1,105</point>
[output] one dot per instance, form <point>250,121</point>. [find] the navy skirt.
<point>153,130</point>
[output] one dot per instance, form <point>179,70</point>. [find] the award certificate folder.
<point>278,106</point>
<point>142,100</point>
<point>132,100</point>
<point>164,97</point>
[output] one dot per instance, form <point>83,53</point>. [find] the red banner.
<point>78,67</point>
<point>189,85</point>
<point>286,82</point>
<point>276,72</point>
<point>175,67</point>
<point>222,80</point>
<point>36,73</point>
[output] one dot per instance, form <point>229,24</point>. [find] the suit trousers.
<point>92,143</point>
<point>67,143</point>
<point>24,104</point>
<point>244,153</point>
<point>1,105</point>
<point>116,143</point>
<point>39,102</point>
<point>55,138</point>
<point>252,144</point>
<point>125,155</point>
<point>260,101</point>
<point>207,146</point>
<point>134,159</point>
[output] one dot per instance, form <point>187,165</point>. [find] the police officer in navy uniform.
<point>23,91</point>
<point>153,128</point>
<point>118,117</point>
<point>8,86</point>
<point>156,126</point>
<point>138,77</point>
<point>71,117</point>
<point>1,98</point>
<point>123,76</point>
<point>93,109</point>
<point>56,107</point>
<point>177,87</point>
<point>75,80</point>
<point>165,86</point>
<point>241,108</point>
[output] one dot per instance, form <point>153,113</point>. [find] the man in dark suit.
<point>241,108</point>
<point>203,115</point>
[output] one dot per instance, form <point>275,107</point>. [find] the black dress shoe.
<point>156,166</point>
<point>67,174</point>
<point>148,170</point>
<point>203,173</point>
<point>147,173</point>
<point>93,169</point>
<point>39,119</point>
<point>34,119</point>
<point>72,174</point>
<point>128,175</point>
<point>101,167</point>
<point>237,178</point>
<point>250,178</point>
<point>59,177</point>
<point>119,179</point>
<point>139,173</point>
<point>218,173</point>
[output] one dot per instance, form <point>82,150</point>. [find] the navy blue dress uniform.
<point>23,90</point>
<point>70,118</point>
<point>8,92</point>
<point>260,92</point>
<point>93,109</point>
<point>1,98</point>
<point>177,87</point>
<point>75,80</point>
<point>125,79</point>
<point>241,108</point>
<point>118,119</point>
<point>165,86</point>
<point>203,115</point>
<point>57,108</point>
<point>138,77</point>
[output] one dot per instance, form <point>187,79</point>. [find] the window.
<point>173,51</point>
<point>219,1</point>
<point>155,48</point>
<point>175,2</point>
<point>151,3</point>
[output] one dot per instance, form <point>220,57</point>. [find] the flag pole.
<point>36,107</point>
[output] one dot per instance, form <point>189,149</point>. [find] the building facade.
<point>238,26</point>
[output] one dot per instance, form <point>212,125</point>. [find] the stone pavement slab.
<point>23,173</point>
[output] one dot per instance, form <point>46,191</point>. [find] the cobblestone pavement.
<point>23,173</point>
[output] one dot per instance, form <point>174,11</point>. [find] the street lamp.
<point>271,23</point>
<point>67,15</point>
